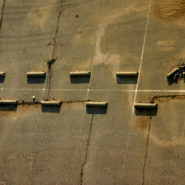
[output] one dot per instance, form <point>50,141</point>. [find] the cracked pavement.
<point>70,144</point>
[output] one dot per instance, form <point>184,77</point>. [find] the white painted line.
<point>183,133</point>
<point>142,53</point>
<point>136,90</point>
<point>100,90</point>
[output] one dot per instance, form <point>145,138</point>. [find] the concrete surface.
<point>75,145</point>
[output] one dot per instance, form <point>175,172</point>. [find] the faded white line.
<point>100,90</point>
<point>183,133</point>
<point>142,53</point>
<point>136,90</point>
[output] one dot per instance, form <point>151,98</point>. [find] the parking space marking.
<point>142,53</point>
<point>183,133</point>
<point>99,90</point>
<point>137,85</point>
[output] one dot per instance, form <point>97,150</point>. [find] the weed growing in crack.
<point>50,61</point>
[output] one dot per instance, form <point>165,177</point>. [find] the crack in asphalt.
<point>56,31</point>
<point>169,97</point>
<point>66,101</point>
<point>2,13</point>
<point>146,153</point>
<point>49,73</point>
<point>86,151</point>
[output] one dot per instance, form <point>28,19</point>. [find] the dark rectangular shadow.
<point>2,78</point>
<point>171,80</point>
<point>51,108</point>
<point>146,112</point>
<point>127,79</point>
<point>8,107</point>
<point>79,79</point>
<point>96,110</point>
<point>36,79</point>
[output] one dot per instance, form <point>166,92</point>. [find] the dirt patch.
<point>166,45</point>
<point>162,99</point>
<point>169,10</point>
<point>22,111</point>
<point>77,105</point>
<point>142,123</point>
<point>40,16</point>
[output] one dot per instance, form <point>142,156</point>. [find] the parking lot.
<point>109,143</point>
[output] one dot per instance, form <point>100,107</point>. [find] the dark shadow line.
<point>2,79</point>
<point>12,108</point>
<point>126,80</point>
<point>80,80</point>
<point>36,79</point>
<point>51,108</point>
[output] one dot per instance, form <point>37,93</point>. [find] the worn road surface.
<point>73,144</point>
